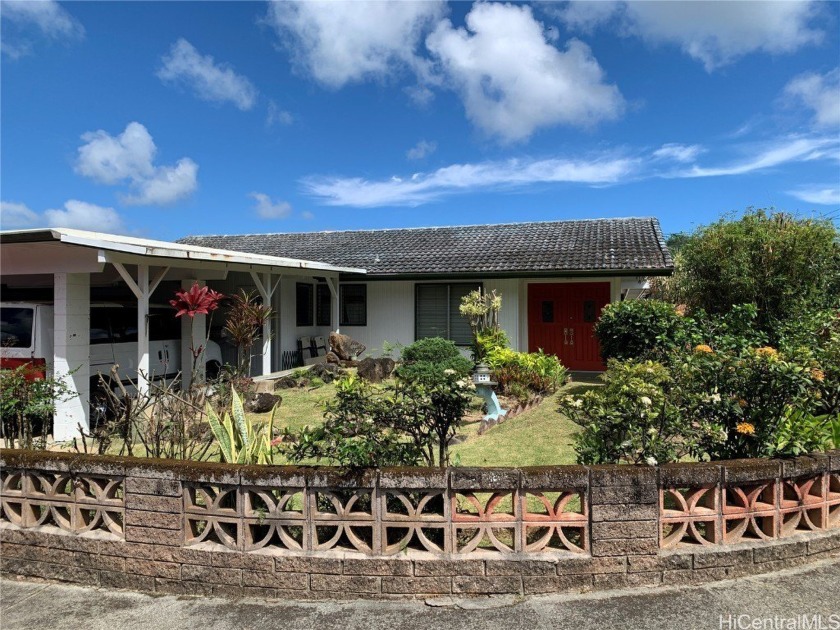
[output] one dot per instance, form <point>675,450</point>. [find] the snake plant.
<point>241,441</point>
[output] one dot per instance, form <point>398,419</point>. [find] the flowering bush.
<point>737,402</point>
<point>631,419</point>
<point>642,329</point>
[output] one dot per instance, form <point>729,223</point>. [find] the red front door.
<point>561,319</point>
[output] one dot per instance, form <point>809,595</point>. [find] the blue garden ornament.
<point>484,388</point>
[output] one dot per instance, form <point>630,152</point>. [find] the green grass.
<point>537,437</point>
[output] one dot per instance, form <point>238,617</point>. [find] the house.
<point>554,278</point>
<point>378,286</point>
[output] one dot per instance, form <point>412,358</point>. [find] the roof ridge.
<point>418,228</point>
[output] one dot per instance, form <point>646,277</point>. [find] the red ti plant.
<point>197,300</point>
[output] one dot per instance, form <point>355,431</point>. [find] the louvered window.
<point>437,312</point>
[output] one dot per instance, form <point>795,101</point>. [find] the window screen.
<point>304,299</point>
<point>323,300</point>
<point>437,312</point>
<point>353,302</point>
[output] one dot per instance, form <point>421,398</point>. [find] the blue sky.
<point>165,119</point>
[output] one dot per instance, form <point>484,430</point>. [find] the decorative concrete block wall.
<point>271,531</point>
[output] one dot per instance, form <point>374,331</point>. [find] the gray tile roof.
<point>595,246</point>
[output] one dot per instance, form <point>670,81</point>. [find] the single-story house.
<point>378,286</point>
<point>554,278</point>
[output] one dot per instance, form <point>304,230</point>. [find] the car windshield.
<point>16,327</point>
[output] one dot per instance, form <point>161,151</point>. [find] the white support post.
<point>143,374</point>
<point>334,306</point>
<point>71,353</point>
<point>193,335</point>
<point>266,288</point>
<point>142,289</point>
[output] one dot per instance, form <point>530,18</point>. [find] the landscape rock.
<point>327,372</point>
<point>345,347</point>
<point>376,370</point>
<point>285,382</point>
<point>261,402</point>
<point>332,358</point>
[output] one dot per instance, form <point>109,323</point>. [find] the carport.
<point>72,261</point>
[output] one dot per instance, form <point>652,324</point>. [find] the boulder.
<point>327,372</point>
<point>332,358</point>
<point>376,370</point>
<point>262,402</point>
<point>285,382</point>
<point>345,347</point>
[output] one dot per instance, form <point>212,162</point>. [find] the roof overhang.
<point>486,275</point>
<point>101,248</point>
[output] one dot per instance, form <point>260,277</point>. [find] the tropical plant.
<point>244,323</point>
<point>482,311</point>
<point>801,432</point>
<point>240,439</point>
<point>197,300</point>
<point>533,373</point>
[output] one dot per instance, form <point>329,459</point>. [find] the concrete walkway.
<point>814,590</point>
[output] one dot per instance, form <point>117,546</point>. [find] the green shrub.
<point>487,341</point>
<point>400,424</point>
<point>782,264</point>
<point>735,331</point>
<point>641,329</point>
<point>427,360</point>
<point>801,432</point>
<point>631,419</point>
<point>534,372</point>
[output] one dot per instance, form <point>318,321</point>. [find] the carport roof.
<point>164,249</point>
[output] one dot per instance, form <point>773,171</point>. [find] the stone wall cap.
<point>555,477</point>
<point>690,474</point>
<point>414,478</point>
<point>747,470</point>
<point>335,477</point>
<point>463,478</point>
<point>813,464</point>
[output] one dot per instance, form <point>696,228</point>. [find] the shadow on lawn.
<point>580,382</point>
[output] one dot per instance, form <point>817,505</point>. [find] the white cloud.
<point>47,16</point>
<point>209,80</point>
<point>678,152</point>
<point>345,42</point>
<point>306,214</point>
<point>111,159</point>
<point>670,161</point>
<point>75,214</point>
<point>513,81</point>
<point>277,116</point>
<point>819,92</point>
<point>421,150</point>
<point>777,153</point>
<point>713,33</point>
<point>167,185</point>
<point>85,216</point>
<point>828,195</point>
<point>268,209</point>
<point>424,187</point>
<point>15,216</point>
<point>129,157</point>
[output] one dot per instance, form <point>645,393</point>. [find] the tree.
<point>780,263</point>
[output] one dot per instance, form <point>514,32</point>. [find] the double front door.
<point>561,321</point>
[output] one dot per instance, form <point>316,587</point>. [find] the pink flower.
<point>197,301</point>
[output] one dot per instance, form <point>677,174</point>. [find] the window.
<point>437,315</point>
<point>353,304</point>
<point>323,297</point>
<point>16,326</point>
<point>589,311</point>
<point>548,312</point>
<point>304,295</point>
